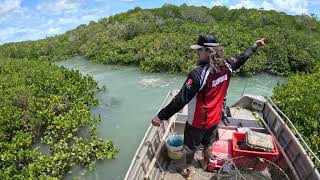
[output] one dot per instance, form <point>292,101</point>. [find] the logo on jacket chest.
<point>219,80</point>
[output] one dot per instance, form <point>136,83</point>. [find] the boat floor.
<point>197,172</point>
<point>241,113</point>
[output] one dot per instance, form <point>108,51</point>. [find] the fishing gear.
<point>225,112</point>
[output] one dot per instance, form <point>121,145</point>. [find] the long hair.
<point>217,59</point>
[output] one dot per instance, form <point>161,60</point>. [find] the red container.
<point>236,137</point>
<point>220,148</point>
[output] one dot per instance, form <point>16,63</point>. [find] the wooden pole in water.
<point>156,154</point>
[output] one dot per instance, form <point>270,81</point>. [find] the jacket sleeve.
<point>236,62</point>
<point>189,89</point>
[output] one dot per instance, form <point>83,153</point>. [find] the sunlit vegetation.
<point>158,39</point>
<point>300,101</point>
<point>43,105</point>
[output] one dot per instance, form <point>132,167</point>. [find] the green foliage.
<point>299,99</point>
<point>48,105</point>
<point>140,36</point>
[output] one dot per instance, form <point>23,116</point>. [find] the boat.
<point>258,113</point>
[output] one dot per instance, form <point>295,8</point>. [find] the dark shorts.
<point>193,137</point>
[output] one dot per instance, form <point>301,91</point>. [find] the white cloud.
<point>40,22</point>
<point>245,4</point>
<point>289,6</point>
<point>267,5</point>
<point>314,3</point>
<point>217,3</point>
<point>16,33</point>
<point>55,30</point>
<point>9,5</point>
<point>76,20</point>
<point>59,6</point>
<point>253,4</point>
<point>50,17</point>
<point>293,6</point>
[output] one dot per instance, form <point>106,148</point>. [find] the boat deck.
<point>150,162</point>
<point>240,113</point>
<point>198,173</point>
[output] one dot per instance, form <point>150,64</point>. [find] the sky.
<point>34,19</point>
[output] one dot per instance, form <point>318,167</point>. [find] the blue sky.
<point>33,19</point>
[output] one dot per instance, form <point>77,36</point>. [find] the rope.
<point>227,160</point>
<point>245,86</point>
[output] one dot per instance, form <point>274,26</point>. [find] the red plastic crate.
<point>220,148</point>
<point>236,137</point>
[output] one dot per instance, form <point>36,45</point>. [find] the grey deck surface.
<point>197,172</point>
<point>240,113</point>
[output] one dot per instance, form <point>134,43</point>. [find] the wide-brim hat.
<point>207,40</point>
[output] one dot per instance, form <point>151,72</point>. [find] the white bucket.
<point>174,144</point>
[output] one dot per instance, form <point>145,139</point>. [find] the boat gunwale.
<point>304,144</point>
<point>144,139</point>
<point>271,106</point>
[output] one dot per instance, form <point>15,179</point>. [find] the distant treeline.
<point>158,39</point>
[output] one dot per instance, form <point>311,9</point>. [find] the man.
<point>204,91</point>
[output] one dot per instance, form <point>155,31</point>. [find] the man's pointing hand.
<point>260,42</point>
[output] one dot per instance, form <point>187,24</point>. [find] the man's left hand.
<point>155,121</point>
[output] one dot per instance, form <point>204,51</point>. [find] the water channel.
<point>130,101</point>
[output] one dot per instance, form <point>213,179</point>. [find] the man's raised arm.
<point>237,61</point>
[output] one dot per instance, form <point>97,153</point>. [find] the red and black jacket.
<point>204,91</point>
